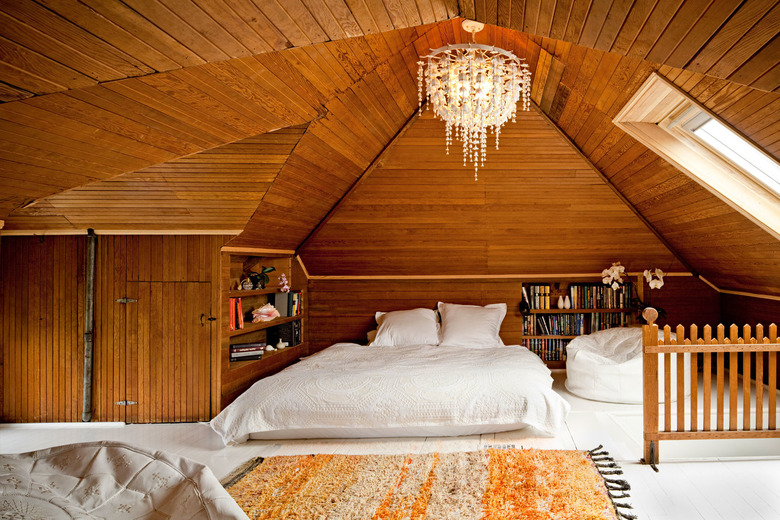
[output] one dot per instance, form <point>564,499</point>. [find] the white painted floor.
<point>708,480</point>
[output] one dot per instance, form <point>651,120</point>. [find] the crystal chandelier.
<point>472,88</point>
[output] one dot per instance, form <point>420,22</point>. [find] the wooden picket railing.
<point>693,415</point>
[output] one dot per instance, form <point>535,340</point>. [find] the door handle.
<point>210,318</point>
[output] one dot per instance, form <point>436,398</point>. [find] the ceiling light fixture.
<point>472,88</point>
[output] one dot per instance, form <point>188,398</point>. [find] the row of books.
<point>548,349</point>
<point>581,296</point>
<point>599,296</point>
<point>539,296</point>
<point>574,324</point>
<point>247,351</point>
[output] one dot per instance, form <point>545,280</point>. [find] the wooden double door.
<point>153,353</point>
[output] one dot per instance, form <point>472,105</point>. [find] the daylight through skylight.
<point>741,152</point>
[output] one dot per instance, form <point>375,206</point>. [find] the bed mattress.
<point>349,390</point>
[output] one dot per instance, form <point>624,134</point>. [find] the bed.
<point>417,378</point>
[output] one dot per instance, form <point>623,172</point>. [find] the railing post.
<point>650,385</point>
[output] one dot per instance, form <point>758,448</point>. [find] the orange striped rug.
<point>493,484</point>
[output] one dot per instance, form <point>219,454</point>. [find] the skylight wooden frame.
<point>652,117</point>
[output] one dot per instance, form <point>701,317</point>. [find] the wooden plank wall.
<point>154,351</point>
<point>343,309</point>
<point>537,208</point>
<point>687,301</point>
<point>42,311</point>
<point>594,86</point>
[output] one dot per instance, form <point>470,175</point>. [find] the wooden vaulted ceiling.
<point>108,102</point>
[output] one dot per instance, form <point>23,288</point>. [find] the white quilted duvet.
<point>107,480</point>
<point>348,390</point>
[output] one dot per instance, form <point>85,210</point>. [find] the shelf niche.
<point>237,376</point>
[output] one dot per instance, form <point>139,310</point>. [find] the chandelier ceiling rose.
<point>473,87</point>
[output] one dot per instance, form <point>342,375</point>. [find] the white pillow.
<point>412,327</point>
<point>471,325</point>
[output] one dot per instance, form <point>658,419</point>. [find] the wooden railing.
<point>692,417</point>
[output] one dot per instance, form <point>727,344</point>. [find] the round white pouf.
<point>607,366</point>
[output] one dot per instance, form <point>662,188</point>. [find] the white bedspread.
<point>356,391</point>
<point>101,480</point>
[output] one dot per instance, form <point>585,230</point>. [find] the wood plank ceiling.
<point>215,191</point>
<point>135,84</point>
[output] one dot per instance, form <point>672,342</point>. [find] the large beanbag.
<point>607,366</point>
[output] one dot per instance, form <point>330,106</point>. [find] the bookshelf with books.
<point>586,307</point>
<point>248,329</point>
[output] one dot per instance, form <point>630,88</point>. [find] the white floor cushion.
<point>607,366</point>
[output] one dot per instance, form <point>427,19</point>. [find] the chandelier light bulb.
<point>473,88</point>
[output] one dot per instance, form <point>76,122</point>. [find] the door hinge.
<point>125,403</point>
<point>125,300</point>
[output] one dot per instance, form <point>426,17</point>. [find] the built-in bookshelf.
<point>555,313</point>
<point>244,337</point>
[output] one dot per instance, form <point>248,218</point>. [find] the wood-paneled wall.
<point>686,300</point>
<point>41,328</point>
<point>537,207</point>
<point>153,351</point>
<point>343,309</point>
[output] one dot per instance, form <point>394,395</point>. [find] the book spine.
<point>232,314</point>
<point>246,358</point>
<point>252,344</point>
<point>239,314</point>
<point>246,349</point>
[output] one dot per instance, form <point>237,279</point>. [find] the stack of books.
<point>289,333</point>
<point>236,320</point>
<point>247,351</point>
<point>288,304</point>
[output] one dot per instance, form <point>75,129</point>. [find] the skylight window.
<point>738,150</point>
<point>675,126</point>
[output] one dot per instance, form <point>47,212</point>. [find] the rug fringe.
<point>606,465</point>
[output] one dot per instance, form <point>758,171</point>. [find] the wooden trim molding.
<point>257,251</point>
<point>135,232</point>
<point>476,276</point>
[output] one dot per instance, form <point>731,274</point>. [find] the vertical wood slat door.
<point>168,352</point>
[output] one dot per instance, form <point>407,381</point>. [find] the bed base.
<point>692,417</point>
